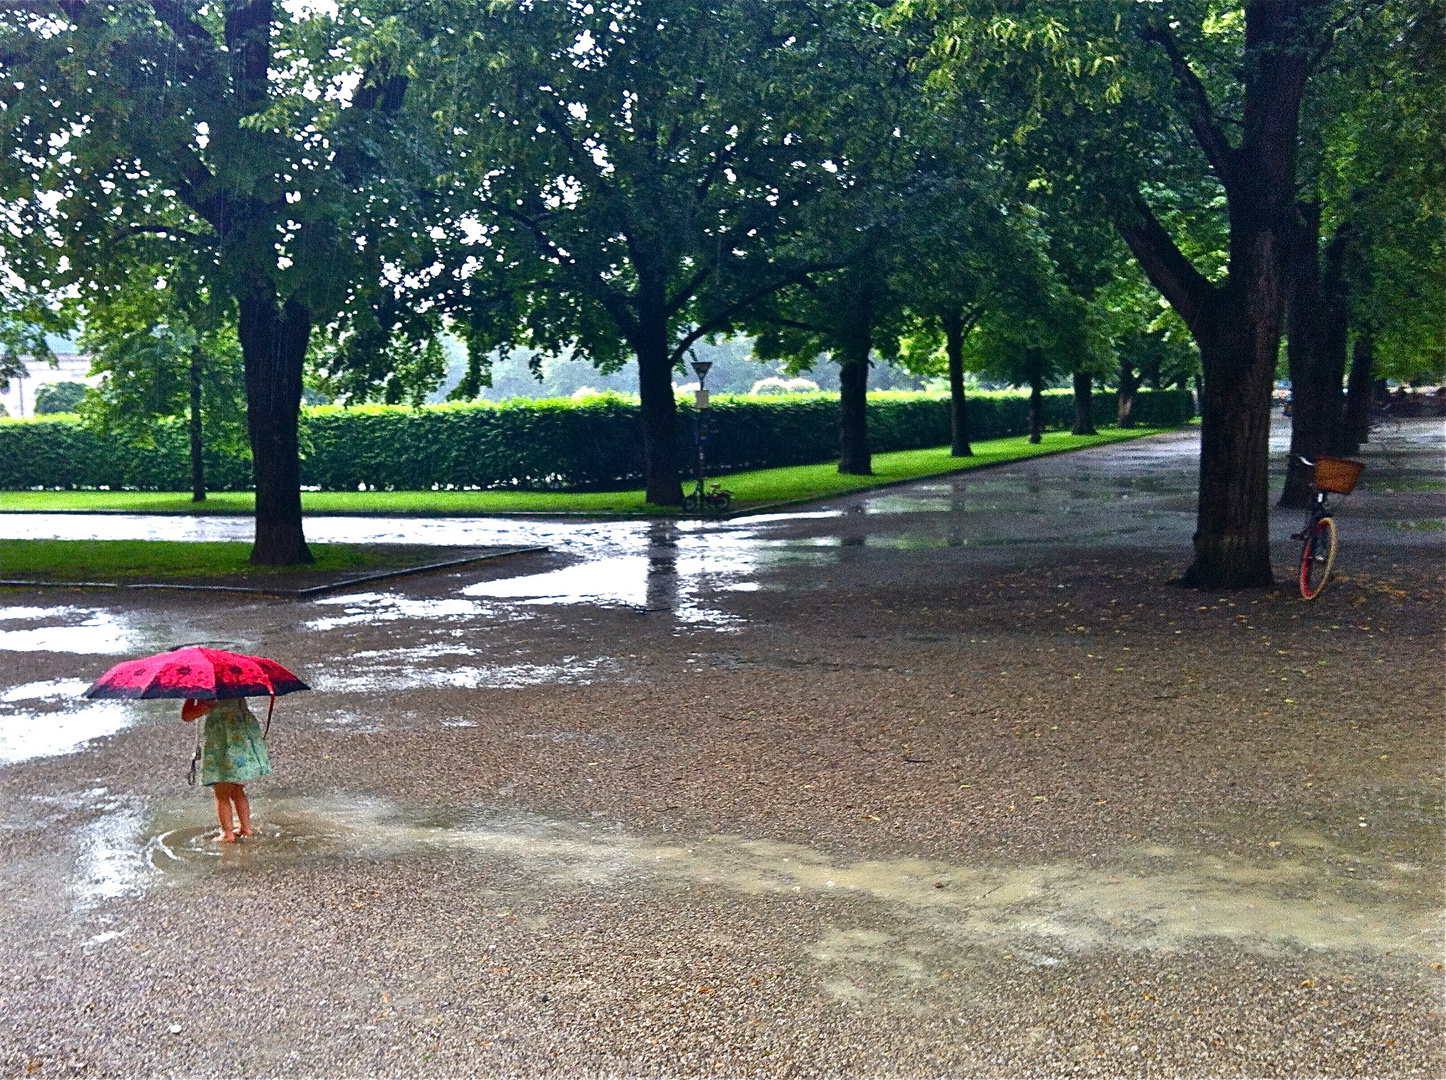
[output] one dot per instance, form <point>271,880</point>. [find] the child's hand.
<point>192,709</point>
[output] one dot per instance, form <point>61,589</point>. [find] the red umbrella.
<point>196,672</point>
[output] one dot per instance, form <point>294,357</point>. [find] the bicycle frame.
<point>1319,508</point>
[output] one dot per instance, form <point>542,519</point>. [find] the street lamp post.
<point>700,400</point>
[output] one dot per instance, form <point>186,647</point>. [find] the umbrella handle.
<point>267,729</point>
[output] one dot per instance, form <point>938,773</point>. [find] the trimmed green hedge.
<point>554,444</point>
<point>56,452</point>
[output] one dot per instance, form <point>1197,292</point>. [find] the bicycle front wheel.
<point>1317,556</point>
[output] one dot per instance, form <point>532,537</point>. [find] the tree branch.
<point>169,230</point>
<point>1196,104</point>
<point>726,316</point>
<point>1187,290</point>
<point>691,286</point>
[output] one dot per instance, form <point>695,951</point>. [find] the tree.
<point>844,313</point>
<point>628,178</point>
<point>1036,341</point>
<point>25,316</point>
<point>247,143</point>
<point>58,397</point>
<point>1084,254</point>
<point>1149,343</point>
<point>976,254</point>
<point>1086,83</point>
<point>1365,253</point>
<point>907,188</point>
<point>163,350</point>
<point>960,257</point>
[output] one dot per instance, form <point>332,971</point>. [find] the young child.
<point>232,752</point>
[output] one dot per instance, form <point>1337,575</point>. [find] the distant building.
<point>19,398</point>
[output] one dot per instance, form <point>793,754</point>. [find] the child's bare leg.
<point>243,810</point>
<point>223,811</point>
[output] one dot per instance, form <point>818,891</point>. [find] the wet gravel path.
<point>905,786</point>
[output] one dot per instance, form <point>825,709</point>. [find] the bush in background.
<point>591,443</point>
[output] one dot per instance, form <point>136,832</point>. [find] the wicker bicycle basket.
<point>1337,474</point>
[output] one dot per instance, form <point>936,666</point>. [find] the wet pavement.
<point>942,778</point>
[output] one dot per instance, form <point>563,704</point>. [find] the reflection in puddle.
<point>571,671</point>
<point>372,607</point>
<point>69,629</point>
<point>419,652</point>
<point>622,580</point>
<point>110,864</point>
<point>49,690</point>
<point>63,721</point>
<point>1062,908</point>
<point>669,582</point>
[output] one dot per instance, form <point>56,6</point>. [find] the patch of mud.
<point>1162,902</point>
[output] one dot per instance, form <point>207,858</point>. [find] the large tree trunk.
<point>1125,395</point>
<point>954,332</point>
<point>1316,352</point>
<point>658,410</point>
<point>1360,389</point>
<point>1237,328</point>
<point>1084,421</point>
<point>1232,533</point>
<point>1237,323</point>
<point>198,474</point>
<point>273,348</point>
<point>853,401</point>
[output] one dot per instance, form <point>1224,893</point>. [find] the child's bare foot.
<point>244,833</point>
<point>225,838</point>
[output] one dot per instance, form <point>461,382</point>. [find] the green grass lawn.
<point>119,560</point>
<point>760,487</point>
<point>802,482</point>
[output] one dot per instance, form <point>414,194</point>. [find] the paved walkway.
<point>946,778</point>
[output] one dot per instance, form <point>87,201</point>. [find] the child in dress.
<point>231,752</point>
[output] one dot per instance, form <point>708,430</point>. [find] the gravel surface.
<point>948,779</point>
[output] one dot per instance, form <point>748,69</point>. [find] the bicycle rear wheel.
<point>1317,556</point>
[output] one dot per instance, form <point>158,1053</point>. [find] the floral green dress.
<point>232,751</point>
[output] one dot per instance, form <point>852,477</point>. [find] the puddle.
<point>418,652</point>
<point>367,608</point>
<point>45,719</point>
<point>65,629</point>
<point>623,580</point>
<point>49,690</point>
<point>110,864</point>
<point>641,582</point>
<point>572,670</point>
<point>1060,908</point>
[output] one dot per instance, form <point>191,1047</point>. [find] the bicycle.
<point>1329,475</point>
<point>713,498</point>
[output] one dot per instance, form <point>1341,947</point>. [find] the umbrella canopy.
<point>196,672</point>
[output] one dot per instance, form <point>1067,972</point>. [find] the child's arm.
<point>193,710</point>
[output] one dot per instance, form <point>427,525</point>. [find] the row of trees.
<point>621,181</point>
